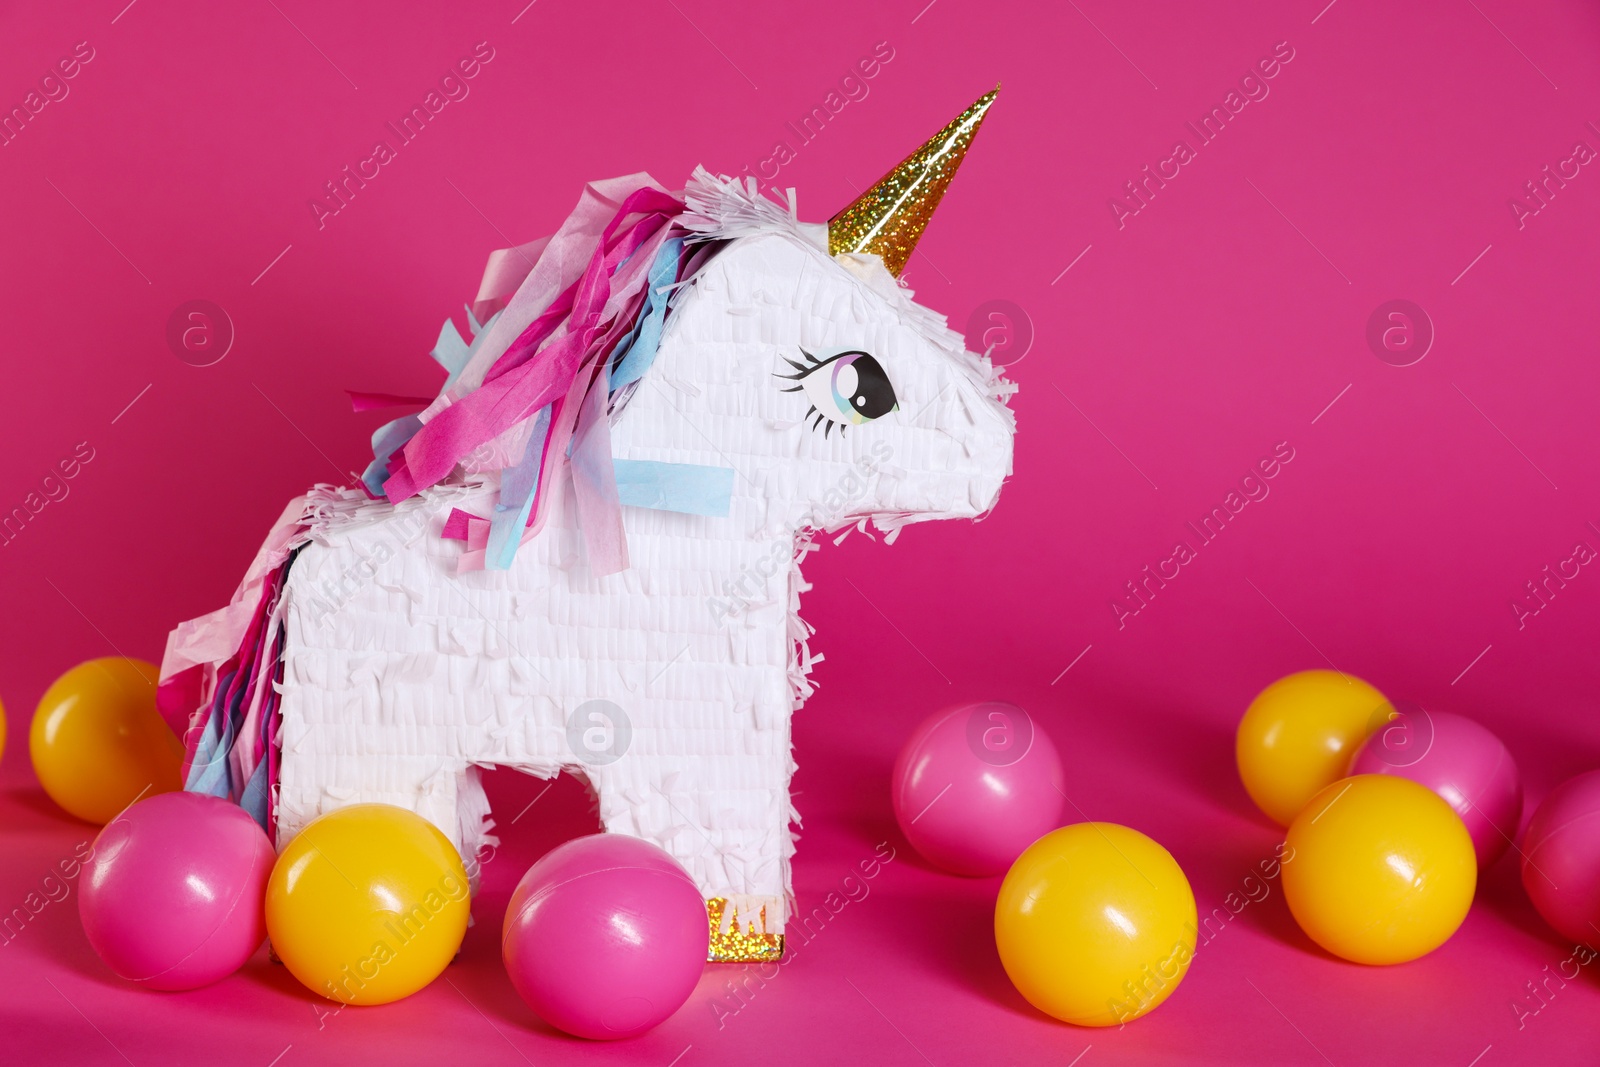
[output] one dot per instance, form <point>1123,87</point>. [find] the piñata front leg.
<point>723,812</point>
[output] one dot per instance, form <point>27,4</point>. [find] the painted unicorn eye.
<point>847,389</point>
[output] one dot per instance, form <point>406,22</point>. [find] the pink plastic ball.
<point>1458,759</point>
<point>976,785</point>
<point>605,936</point>
<point>173,897</point>
<point>1561,858</point>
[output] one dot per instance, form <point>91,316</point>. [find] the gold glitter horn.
<point>888,219</point>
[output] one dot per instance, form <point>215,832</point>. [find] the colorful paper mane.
<point>583,554</point>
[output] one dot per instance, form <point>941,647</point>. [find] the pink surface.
<point>1172,348</point>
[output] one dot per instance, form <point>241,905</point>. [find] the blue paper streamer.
<point>208,771</point>
<point>638,350</point>
<point>518,487</point>
<point>254,798</point>
<point>687,488</point>
<point>452,352</point>
<point>387,439</point>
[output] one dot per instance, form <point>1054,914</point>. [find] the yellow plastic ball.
<point>1379,869</point>
<point>98,742</point>
<point>1300,733</point>
<point>367,904</point>
<point>2,730</point>
<point>1095,924</point>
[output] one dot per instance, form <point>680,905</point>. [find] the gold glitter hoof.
<point>733,942</point>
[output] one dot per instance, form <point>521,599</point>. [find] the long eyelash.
<point>801,370</point>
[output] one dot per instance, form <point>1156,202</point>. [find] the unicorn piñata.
<point>584,554</point>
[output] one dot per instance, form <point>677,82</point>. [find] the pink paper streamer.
<point>506,270</point>
<point>455,527</point>
<point>360,401</point>
<point>475,557</point>
<point>595,482</point>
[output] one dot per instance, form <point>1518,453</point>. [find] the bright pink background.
<point>1195,338</point>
